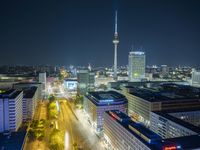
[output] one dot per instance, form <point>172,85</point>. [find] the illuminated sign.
<point>113,115</point>
<point>137,53</point>
<point>170,148</point>
<point>106,100</point>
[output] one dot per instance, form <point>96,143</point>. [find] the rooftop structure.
<point>102,98</point>
<point>166,92</point>
<point>30,92</point>
<point>27,85</point>
<point>11,93</point>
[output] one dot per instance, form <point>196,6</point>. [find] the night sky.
<point>79,32</point>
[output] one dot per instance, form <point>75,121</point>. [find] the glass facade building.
<point>136,65</point>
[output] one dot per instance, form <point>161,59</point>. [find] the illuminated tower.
<point>115,42</point>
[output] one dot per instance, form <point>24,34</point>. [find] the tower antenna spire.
<point>115,42</point>
<point>116,22</point>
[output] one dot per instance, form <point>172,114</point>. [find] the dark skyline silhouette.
<point>80,32</point>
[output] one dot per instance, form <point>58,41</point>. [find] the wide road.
<point>78,133</point>
<point>41,113</point>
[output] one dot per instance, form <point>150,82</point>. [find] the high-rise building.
<point>10,110</point>
<point>164,70</point>
<point>42,79</point>
<point>195,77</point>
<point>96,103</point>
<point>85,79</point>
<point>136,65</point>
<point>115,42</point>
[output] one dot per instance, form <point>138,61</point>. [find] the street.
<point>71,122</point>
<point>79,134</point>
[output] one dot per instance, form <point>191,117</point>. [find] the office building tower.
<point>136,65</point>
<point>164,70</point>
<point>121,133</point>
<point>115,42</point>
<point>96,103</point>
<point>85,79</point>
<point>10,110</point>
<point>42,79</point>
<point>195,78</point>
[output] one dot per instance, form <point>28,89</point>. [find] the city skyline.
<point>57,32</point>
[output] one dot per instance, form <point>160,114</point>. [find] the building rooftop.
<point>171,111</point>
<point>165,92</point>
<point>146,136</point>
<point>10,93</point>
<point>15,94</point>
<point>106,98</point>
<point>29,92</point>
<point>24,83</point>
<point>6,91</point>
<point>179,121</point>
<point>187,142</point>
<point>71,79</point>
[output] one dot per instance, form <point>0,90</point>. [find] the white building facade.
<point>29,103</point>
<point>10,110</point>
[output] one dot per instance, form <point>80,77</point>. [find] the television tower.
<point>115,42</point>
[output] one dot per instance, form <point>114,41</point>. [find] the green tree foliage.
<point>52,110</point>
<point>36,130</point>
<point>56,140</point>
<point>31,134</point>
